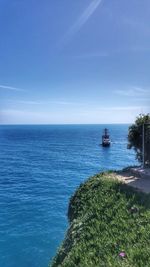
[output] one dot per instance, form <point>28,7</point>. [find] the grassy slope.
<point>102,225</point>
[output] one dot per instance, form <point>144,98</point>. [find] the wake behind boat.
<point>106,138</point>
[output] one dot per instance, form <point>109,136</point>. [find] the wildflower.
<point>122,255</point>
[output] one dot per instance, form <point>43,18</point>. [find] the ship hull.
<point>105,144</point>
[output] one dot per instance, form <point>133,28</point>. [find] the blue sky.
<point>83,61</point>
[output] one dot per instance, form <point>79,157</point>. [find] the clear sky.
<point>82,61</point>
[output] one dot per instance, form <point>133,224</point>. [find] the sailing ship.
<point>106,138</point>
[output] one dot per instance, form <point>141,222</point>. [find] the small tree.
<point>135,137</point>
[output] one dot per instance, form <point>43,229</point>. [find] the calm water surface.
<point>40,168</point>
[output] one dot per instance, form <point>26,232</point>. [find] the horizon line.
<point>49,124</point>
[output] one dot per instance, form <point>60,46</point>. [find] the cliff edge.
<point>109,225</point>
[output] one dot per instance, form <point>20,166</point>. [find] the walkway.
<point>137,177</point>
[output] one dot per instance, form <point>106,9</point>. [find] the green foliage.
<point>135,135</point>
<point>106,217</point>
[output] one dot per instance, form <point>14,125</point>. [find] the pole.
<point>143,145</point>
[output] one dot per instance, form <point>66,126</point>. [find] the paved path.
<point>136,178</point>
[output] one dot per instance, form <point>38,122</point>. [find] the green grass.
<point>102,225</point>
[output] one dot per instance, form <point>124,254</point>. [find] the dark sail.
<point>106,138</point>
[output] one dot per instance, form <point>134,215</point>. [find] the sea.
<point>40,168</point>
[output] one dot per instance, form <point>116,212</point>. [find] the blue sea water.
<point>40,168</point>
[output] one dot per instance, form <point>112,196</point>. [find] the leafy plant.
<point>135,137</point>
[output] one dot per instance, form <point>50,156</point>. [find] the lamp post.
<point>143,145</point>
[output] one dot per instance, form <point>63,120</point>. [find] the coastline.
<point>106,217</point>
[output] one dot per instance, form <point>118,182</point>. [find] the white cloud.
<point>27,102</point>
<point>91,55</point>
<point>122,108</point>
<point>64,103</point>
<point>11,88</point>
<point>55,102</point>
<point>88,12</point>
<point>139,48</point>
<point>133,92</point>
<point>116,114</point>
<point>13,116</point>
<point>140,26</point>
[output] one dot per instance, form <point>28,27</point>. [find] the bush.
<point>109,226</point>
